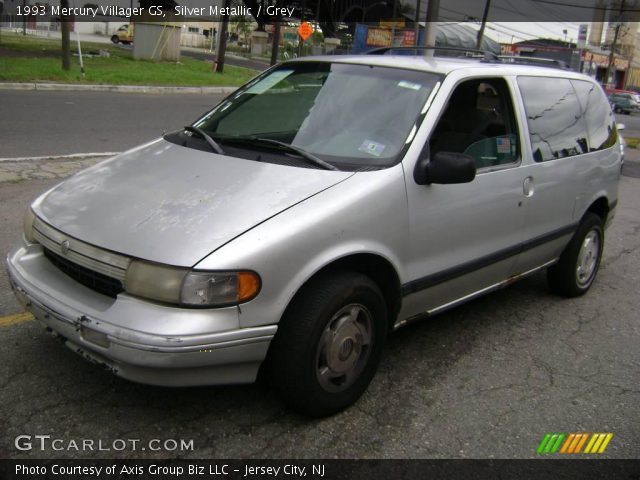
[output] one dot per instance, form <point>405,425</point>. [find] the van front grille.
<point>95,281</point>
<point>96,259</point>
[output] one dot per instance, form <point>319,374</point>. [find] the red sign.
<point>305,30</point>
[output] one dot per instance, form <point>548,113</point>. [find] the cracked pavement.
<point>485,380</point>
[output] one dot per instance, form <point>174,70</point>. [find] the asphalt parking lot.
<point>485,380</point>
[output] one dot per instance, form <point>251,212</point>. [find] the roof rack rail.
<point>468,52</point>
<point>543,62</point>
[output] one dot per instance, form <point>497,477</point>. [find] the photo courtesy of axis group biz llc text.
<point>320,239</point>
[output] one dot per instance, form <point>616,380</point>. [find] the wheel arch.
<point>380,270</point>
<point>373,265</point>
<point>600,207</point>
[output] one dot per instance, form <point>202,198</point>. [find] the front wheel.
<point>115,39</point>
<point>576,270</point>
<point>329,343</point>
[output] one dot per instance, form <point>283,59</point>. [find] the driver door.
<point>465,238</point>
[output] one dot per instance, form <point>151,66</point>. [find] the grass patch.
<point>32,59</point>
<point>632,142</point>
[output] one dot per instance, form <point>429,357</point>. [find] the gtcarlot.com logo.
<point>47,442</point>
<point>573,443</point>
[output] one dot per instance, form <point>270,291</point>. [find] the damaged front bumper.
<point>136,339</point>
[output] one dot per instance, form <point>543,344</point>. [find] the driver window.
<point>479,121</point>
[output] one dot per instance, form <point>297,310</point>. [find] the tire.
<point>576,270</point>
<point>115,39</point>
<point>321,360</point>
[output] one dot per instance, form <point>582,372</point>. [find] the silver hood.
<point>175,205</point>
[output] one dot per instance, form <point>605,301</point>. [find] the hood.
<point>174,205</point>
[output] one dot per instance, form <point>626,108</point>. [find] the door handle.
<point>528,187</point>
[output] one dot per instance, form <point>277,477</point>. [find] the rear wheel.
<point>329,343</point>
<point>576,270</point>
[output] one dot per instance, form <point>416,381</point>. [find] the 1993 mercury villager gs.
<point>325,203</point>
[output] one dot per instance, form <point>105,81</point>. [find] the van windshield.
<point>345,114</point>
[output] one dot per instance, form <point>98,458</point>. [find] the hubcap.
<point>344,348</point>
<point>588,258</point>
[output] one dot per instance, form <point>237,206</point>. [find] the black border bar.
<point>128,469</point>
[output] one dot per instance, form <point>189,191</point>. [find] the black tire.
<point>322,333</point>
<point>576,270</point>
<point>115,39</point>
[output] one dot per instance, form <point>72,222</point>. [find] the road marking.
<point>15,319</point>
<point>70,156</point>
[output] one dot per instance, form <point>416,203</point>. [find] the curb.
<point>70,156</point>
<point>115,88</point>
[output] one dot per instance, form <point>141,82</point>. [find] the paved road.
<point>31,122</point>
<point>631,123</point>
<point>488,379</point>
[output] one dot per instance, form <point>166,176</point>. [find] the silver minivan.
<point>322,205</point>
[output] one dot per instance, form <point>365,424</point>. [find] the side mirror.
<point>620,126</point>
<point>445,168</point>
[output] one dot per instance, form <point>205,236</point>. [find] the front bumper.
<point>135,339</point>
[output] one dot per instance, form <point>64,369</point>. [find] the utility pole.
<point>417,22</point>
<point>485,15</point>
<point>433,10</point>
<point>222,46</point>
<point>66,41</point>
<point>276,41</point>
<point>613,44</point>
<point>393,24</point>
<point>300,40</point>
<point>24,18</point>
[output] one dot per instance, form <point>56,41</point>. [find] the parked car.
<point>622,141</point>
<point>633,93</point>
<point>322,205</point>
<point>124,34</point>
<point>624,103</point>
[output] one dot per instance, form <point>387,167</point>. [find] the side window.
<point>556,122</point>
<point>601,123</point>
<point>479,121</point>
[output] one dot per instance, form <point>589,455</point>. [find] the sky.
<point>502,32</point>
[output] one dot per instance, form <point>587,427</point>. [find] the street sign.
<point>582,35</point>
<point>305,30</point>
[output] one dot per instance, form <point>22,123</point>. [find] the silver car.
<point>324,204</point>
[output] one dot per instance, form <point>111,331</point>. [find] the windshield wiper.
<point>292,148</point>
<point>212,143</point>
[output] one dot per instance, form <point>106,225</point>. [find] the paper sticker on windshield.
<point>372,148</point>
<point>409,85</point>
<point>266,83</point>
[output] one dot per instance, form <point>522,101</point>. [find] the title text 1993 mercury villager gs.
<point>325,203</point>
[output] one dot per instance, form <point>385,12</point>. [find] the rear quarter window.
<point>557,128</point>
<point>601,123</point>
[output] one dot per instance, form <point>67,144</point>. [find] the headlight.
<point>27,224</point>
<point>190,288</point>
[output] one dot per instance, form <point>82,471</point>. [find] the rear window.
<point>556,122</point>
<point>601,123</point>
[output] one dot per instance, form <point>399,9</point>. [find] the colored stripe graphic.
<point>572,443</point>
<point>581,442</point>
<point>550,443</point>
<point>598,442</point>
